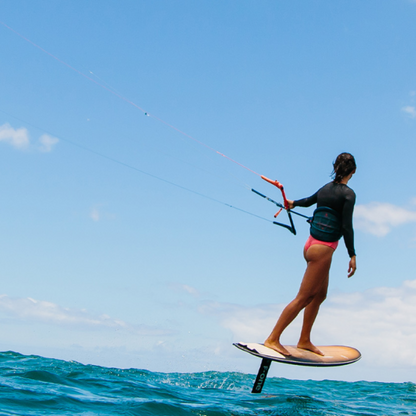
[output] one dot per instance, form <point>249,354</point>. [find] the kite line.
<point>285,205</point>
<point>127,100</point>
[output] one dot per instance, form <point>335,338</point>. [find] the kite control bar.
<point>285,206</point>
<point>280,186</point>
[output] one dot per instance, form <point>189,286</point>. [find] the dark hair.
<point>343,166</point>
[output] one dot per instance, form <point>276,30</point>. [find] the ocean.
<point>33,385</point>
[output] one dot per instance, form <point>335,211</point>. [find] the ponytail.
<point>343,166</point>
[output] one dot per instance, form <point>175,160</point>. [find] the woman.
<point>332,219</point>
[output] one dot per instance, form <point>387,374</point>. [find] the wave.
<point>33,385</point>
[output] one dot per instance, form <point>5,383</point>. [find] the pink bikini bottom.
<point>311,241</point>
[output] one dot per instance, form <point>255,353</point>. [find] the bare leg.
<point>309,316</point>
<point>319,259</point>
<point>288,315</point>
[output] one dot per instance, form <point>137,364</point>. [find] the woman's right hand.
<point>290,203</point>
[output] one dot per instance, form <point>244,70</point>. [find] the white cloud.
<point>184,288</point>
<point>95,214</point>
<point>382,319</point>
<point>410,111</point>
<point>246,323</point>
<point>47,142</point>
<point>18,138</point>
<point>191,290</point>
<point>379,218</point>
<point>40,311</point>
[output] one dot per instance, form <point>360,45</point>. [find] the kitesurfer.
<point>332,220</point>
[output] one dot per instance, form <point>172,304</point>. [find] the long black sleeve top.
<point>340,198</point>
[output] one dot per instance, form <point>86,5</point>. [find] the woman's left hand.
<point>352,267</point>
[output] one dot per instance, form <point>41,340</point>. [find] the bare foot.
<point>277,346</point>
<point>310,347</point>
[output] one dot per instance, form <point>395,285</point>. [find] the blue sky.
<point>119,247</point>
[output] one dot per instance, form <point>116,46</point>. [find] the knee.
<point>304,301</point>
<point>321,296</point>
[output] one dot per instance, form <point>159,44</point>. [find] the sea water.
<point>32,385</point>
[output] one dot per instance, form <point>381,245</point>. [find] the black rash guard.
<point>340,198</point>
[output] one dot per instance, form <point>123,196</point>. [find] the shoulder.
<point>341,190</point>
<point>348,190</point>
<point>345,189</point>
<point>328,186</point>
<point>349,193</point>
